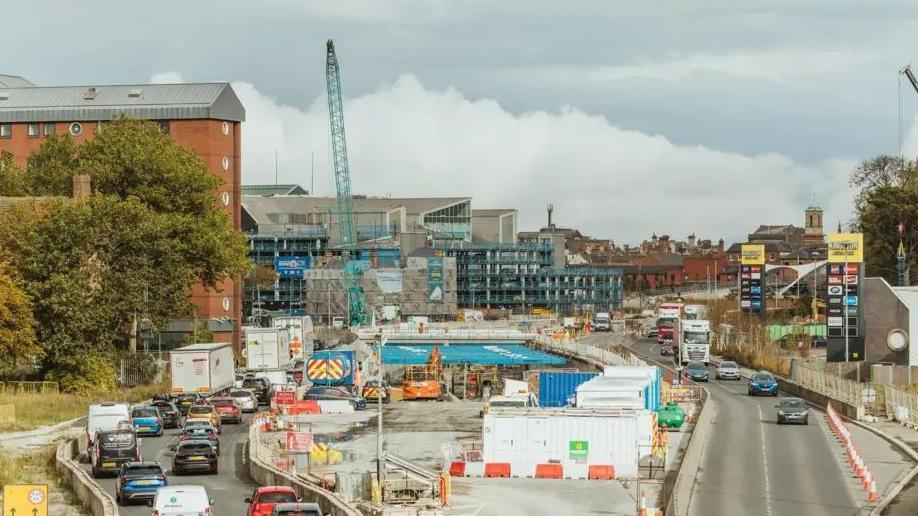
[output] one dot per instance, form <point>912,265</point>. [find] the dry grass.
<point>33,410</point>
<point>758,359</point>
<point>33,467</point>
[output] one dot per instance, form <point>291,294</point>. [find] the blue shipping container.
<point>556,388</point>
<point>331,376</point>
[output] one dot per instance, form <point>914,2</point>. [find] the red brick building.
<point>206,118</point>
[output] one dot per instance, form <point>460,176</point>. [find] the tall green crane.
<point>346,231</point>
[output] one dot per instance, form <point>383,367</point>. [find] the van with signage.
<point>112,448</point>
<point>182,500</point>
<point>105,416</point>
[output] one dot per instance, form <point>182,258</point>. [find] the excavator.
<point>422,382</point>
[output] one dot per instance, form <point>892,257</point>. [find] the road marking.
<point>765,462</point>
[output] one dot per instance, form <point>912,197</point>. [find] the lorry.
<point>603,322</point>
<point>300,331</point>
<point>331,367</point>
<point>667,315</point>
<point>695,342</point>
<point>202,368</point>
<point>266,348</point>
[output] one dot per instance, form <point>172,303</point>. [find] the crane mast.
<point>345,201</point>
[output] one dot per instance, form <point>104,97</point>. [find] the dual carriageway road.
<point>229,487</point>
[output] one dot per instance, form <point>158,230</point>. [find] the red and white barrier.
<point>855,459</point>
<point>543,470</point>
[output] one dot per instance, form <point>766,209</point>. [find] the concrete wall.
<point>81,482</point>
<point>884,311</point>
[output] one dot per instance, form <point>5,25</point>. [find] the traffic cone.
<point>868,478</point>
<point>642,510</point>
<point>858,466</point>
<point>872,493</point>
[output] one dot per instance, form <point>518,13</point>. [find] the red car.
<point>263,500</point>
<point>227,409</point>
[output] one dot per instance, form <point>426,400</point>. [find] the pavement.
<point>527,496</point>
<point>230,487</point>
<point>754,466</point>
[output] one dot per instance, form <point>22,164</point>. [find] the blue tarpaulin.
<point>476,354</point>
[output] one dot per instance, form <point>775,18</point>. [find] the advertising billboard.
<point>845,329</point>
<point>435,283</point>
<point>846,248</point>
<point>291,266</point>
<point>752,271</point>
<point>752,254</point>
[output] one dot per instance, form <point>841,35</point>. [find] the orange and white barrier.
<point>544,470</point>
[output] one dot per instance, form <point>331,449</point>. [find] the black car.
<point>260,388</point>
<point>171,415</point>
<point>138,481</point>
<point>697,371</point>
<point>185,400</point>
<point>792,410</point>
<point>194,455</point>
<point>201,433</point>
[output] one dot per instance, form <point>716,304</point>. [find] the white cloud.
<point>910,141</point>
<point>407,140</point>
<point>780,65</point>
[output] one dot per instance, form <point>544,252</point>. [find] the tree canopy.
<point>17,333</point>
<point>887,197</point>
<point>151,230</point>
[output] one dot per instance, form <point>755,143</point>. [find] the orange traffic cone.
<point>868,478</point>
<point>642,510</point>
<point>872,493</point>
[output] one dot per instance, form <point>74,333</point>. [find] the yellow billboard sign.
<point>846,248</point>
<point>25,500</point>
<point>752,254</point>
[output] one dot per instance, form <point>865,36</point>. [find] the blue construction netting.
<point>473,354</point>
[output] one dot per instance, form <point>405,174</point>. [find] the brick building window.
<point>164,126</point>
<point>6,131</point>
<point>32,130</point>
<point>49,129</point>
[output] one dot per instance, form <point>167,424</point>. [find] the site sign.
<point>25,500</point>
<point>845,325</point>
<point>435,283</point>
<point>579,450</point>
<point>752,254</point>
<point>299,442</point>
<point>291,266</point>
<point>284,398</point>
<point>846,248</point>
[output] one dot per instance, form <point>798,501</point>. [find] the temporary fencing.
<point>855,459</point>
<point>460,468</point>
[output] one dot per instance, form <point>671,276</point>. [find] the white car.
<point>245,399</point>
<point>181,500</point>
<point>727,371</point>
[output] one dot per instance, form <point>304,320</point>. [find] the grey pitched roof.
<point>214,101</point>
<point>270,190</point>
<point>14,81</point>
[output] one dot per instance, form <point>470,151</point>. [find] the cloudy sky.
<point>709,116</point>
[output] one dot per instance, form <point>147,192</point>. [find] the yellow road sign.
<point>25,500</point>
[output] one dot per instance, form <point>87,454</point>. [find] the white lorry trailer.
<point>301,334</point>
<point>202,368</point>
<point>266,348</point>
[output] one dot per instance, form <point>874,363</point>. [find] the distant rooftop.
<point>22,101</point>
<point>273,190</point>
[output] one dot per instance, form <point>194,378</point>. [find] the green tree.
<point>13,180</point>
<point>17,335</point>
<point>887,196</point>
<point>52,166</point>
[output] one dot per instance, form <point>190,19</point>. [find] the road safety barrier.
<point>855,459</point>
<point>265,473</point>
<point>460,468</point>
<point>91,495</point>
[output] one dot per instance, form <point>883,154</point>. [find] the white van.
<point>105,416</point>
<point>173,500</point>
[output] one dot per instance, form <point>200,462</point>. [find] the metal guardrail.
<point>29,387</point>
<point>869,396</point>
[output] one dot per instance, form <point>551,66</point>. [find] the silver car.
<point>727,371</point>
<point>245,399</point>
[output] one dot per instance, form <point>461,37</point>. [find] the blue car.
<point>138,482</point>
<point>763,383</point>
<point>146,420</point>
<point>697,371</point>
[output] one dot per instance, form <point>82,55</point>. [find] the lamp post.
<point>379,428</point>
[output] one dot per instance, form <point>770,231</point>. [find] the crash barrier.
<point>29,387</point>
<point>265,473</point>
<point>691,460</point>
<point>545,470</point>
<point>855,459</point>
<point>91,495</point>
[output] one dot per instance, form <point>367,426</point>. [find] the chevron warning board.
<point>324,369</point>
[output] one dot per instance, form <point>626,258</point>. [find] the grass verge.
<point>33,410</point>
<point>757,359</point>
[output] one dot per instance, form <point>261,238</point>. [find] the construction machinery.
<point>345,202</point>
<point>815,306</point>
<point>422,382</point>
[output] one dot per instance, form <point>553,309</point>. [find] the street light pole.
<point>379,428</point>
